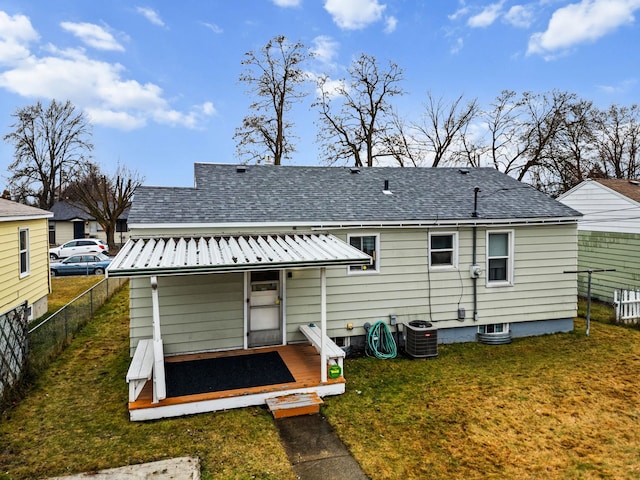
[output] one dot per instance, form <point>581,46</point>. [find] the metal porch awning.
<point>180,255</point>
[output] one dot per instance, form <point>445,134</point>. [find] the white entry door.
<point>265,311</point>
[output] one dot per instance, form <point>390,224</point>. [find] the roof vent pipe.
<point>386,190</point>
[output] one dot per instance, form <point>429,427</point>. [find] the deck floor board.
<point>302,360</point>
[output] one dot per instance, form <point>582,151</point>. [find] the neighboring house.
<point>254,255</point>
<point>70,222</point>
<point>608,234</point>
<point>24,258</point>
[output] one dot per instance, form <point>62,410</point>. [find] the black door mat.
<point>225,373</point>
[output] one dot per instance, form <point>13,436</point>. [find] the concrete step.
<point>294,405</point>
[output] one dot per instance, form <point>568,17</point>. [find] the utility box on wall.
<point>421,339</point>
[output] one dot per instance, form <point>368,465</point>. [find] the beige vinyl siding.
<point>198,312</point>
<point>33,287</point>
<point>64,232</point>
<point>405,287</point>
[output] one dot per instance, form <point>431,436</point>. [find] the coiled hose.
<point>380,342</point>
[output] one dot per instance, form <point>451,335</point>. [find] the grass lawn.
<point>63,290</point>
<point>562,406</point>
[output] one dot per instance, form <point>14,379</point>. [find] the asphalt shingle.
<point>317,195</point>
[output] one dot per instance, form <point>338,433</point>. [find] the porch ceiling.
<point>231,253</point>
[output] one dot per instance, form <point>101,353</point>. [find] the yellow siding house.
<point>24,257</point>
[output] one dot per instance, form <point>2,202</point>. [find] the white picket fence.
<point>627,304</point>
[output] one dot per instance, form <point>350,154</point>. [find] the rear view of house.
<point>258,257</point>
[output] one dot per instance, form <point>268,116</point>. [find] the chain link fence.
<point>52,335</point>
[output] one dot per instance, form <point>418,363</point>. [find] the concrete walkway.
<point>313,448</point>
<point>315,451</point>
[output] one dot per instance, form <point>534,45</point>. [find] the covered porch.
<point>315,368</point>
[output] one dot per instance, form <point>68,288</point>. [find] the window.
<point>443,250</point>
<point>495,328</point>
<point>500,258</point>
<point>369,244</point>
<point>24,252</point>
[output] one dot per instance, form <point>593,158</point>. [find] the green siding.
<point>608,250</point>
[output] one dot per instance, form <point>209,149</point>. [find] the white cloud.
<point>16,33</point>
<point>99,88</point>
<point>325,49</point>
<point>582,22</point>
<point>354,14</point>
<point>520,16</point>
<point>457,46</point>
<point>487,16</point>
<point>390,24</point>
<point>208,108</point>
<point>93,35</point>
<point>213,27</point>
<point>151,15</point>
<point>287,3</point>
<point>623,87</point>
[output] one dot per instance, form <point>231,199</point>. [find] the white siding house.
<point>608,234</point>
<point>469,250</point>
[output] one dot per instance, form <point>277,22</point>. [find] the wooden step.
<point>294,404</point>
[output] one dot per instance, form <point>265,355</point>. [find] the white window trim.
<point>369,270</point>
<point>506,329</point>
<point>454,259</point>
<point>27,251</point>
<point>510,260</point>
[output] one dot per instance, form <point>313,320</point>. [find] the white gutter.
<point>232,227</point>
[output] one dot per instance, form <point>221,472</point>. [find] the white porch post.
<point>159,382</point>
<point>323,324</point>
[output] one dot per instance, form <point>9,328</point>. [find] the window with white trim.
<point>24,251</point>
<point>499,258</point>
<point>443,250</point>
<point>495,328</point>
<point>369,244</point>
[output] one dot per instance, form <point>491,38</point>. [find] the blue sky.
<point>159,79</point>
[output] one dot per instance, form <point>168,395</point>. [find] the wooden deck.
<point>302,360</point>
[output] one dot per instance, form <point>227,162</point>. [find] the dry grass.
<point>75,419</point>
<point>65,289</point>
<point>562,406</point>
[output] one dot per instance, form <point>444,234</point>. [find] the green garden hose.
<point>380,342</point>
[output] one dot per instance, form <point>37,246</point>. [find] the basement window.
<point>496,328</point>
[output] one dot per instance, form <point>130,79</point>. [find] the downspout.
<point>475,273</point>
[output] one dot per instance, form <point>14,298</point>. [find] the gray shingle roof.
<point>317,195</point>
<point>10,210</point>
<point>65,211</point>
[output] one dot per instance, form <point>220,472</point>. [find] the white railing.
<point>627,304</point>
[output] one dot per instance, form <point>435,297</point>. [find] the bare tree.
<point>104,197</point>
<point>51,144</point>
<point>443,127</point>
<point>355,113</point>
<point>618,141</point>
<point>572,153</point>
<point>274,76</point>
